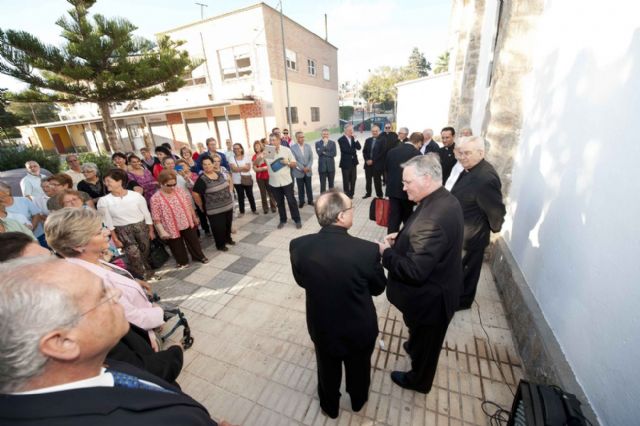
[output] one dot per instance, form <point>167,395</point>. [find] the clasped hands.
<point>388,242</point>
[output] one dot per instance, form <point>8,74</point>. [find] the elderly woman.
<point>92,184</point>
<point>78,236</point>
<point>262,177</point>
<point>187,155</point>
<point>143,176</point>
<point>241,176</point>
<point>126,213</point>
<point>175,220</point>
<point>212,194</point>
<point>71,198</point>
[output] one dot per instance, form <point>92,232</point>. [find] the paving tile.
<point>242,265</point>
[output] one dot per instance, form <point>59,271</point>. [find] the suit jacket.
<point>348,151</point>
<point>395,157</point>
<point>304,158</point>
<point>390,140</point>
<point>424,264</point>
<point>447,160</point>
<point>339,273</point>
<point>375,153</point>
<point>479,192</point>
<point>432,146</point>
<point>106,406</point>
<point>326,156</point>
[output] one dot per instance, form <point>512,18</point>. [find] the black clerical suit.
<point>447,160</point>
<point>479,191</point>
<point>106,406</point>
<point>431,146</point>
<point>425,279</point>
<point>400,207</point>
<point>348,163</point>
<point>390,141</point>
<point>374,152</point>
<point>340,273</point>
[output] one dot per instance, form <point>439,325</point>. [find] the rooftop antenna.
<point>202,6</point>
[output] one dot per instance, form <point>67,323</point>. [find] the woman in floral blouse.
<point>175,220</point>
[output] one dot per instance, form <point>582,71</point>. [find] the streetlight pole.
<point>286,74</point>
<point>202,6</point>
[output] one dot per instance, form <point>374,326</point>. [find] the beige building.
<point>238,92</point>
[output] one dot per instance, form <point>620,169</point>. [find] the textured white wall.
<point>424,103</point>
<point>573,224</point>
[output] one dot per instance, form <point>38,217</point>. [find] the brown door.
<point>58,141</point>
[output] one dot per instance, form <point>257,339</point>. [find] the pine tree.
<point>8,120</point>
<point>101,61</point>
<point>442,64</point>
<point>418,64</point>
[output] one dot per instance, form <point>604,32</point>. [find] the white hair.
<point>429,131</point>
<point>5,187</point>
<point>426,165</point>
<point>403,130</point>
<point>90,166</point>
<point>31,305</point>
<point>346,126</point>
<point>476,142</point>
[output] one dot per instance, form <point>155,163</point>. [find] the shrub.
<point>14,157</point>
<point>102,161</point>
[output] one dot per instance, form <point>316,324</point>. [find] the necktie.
<point>373,144</point>
<point>123,380</point>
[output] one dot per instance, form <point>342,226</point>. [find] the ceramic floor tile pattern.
<point>253,363</point>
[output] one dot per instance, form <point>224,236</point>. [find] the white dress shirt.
<point>283,176</point>
<point>30,185</point>
<point>453,177</point>
<point>127,210</point>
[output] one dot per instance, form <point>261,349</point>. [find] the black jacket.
<point>447,160</point>
<point>479,192</point>
<point>425,269</point>
<point>339,273</point>
<point>376,153</point>
<point>390,140</point>
<point>432,146</point>
<point>395,157</point>
<point>348,152</point>
<point>106,406</point>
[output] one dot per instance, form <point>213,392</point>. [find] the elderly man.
<point>349,147</point>
<point>326,150</point>
<point>374,156</point>
<point>62,321</point>
<point>429,145</point>
<point>24,207</point>
<point>302,173</point>
<point>30,184</point>
<point>75,170</point>
<point>400,207</point>
<point>425,276</point>
<point>339,273</point>
<point>447,153</point>
<point>212,148</point>
<point>280,181</point>
<point>283,141</point>
<point>479,191</point>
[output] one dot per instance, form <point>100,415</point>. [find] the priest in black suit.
<point>57,374</point>
<point>349,148</point>
<point>425,273</point>
<point>340,274</point>
<point>374,155</point>
<point>447,152</point>
<point>390,141</point>
<point>479,191</point>
<point>400,207</point>
<point>429,145</point>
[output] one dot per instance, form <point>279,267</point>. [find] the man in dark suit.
<point>389,141</point>
<point>429,145</point>
<point>373,153</point>
<point>425,275</point>
<point>479,191</point>
<point>400,207</point>
<point>349,147</point>
<point>339,273</point>
<point>447,152</point>
<point>326,150</point>
<point>70,320</point>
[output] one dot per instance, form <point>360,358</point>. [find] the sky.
<point>368,33</point>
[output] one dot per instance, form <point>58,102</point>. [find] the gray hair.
<point>329,205</point>
<point>26,165</point>
<point>429,131</point>
<point>69,228</point>
<point>31,305</point>
<point>89,166</point>
<point>426,165</point>
<point>5,187</point>
<point>324,130</point>
<point>476,142</point>
<point>375,126</point>
<point>403,130</point>
<point>347,126</point>
<point>299,133</point>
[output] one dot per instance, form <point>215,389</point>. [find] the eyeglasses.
<point>346,210</point>
<point>466,153</point>
<point>170,185</point>
<point>387,128</point>
<point>286,133</point>
<point>108,294</point>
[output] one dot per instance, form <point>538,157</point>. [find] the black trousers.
<point>357,368</point>
<point>370,174</point>
<point>188,237</point>
<point>204,223</point>
<point>324,177</point>
<point>243,190</point>
<point>349,180</point>
<point>221,227</point>
<point>304,185</point>
<point>424,345</point>
<point>280,193</point>
<point>399,212</point>
<point>471,266</point>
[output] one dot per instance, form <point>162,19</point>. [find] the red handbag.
<point>382,211</point>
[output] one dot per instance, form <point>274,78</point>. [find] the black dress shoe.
<point>400,379</point>
<point>300,205</point>
<point>225,248</point>
<point>330,413</point>
<point>405,346</point>
<point>310,203</point>
<point>281,225</point>
<point>366,196</point>
<point>231,243</point>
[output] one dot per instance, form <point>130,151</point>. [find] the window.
<point>235,62</point>
<point>315,114</point>
<point>311,67</point>
<point>194,81</point>
<point>326,72</point>
<point>294,114</point>
<point>292,63</point>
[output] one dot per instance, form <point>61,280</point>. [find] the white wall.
<point>424,103</point>
<point>573,224</point>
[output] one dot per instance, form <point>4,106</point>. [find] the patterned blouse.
<point>172,211</point>
<point>214,193</point>
<point>146,181</point>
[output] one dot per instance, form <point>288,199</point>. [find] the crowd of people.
<point>68,334</point>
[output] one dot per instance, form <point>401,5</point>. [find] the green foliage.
<point>380,87</point>
<point>442,64</point>
<point>418,65</point>
<point>14,157</point>
<point>346,112</point>
<point>8,120</point>
<point>43,112</point>
<point>102,161</point>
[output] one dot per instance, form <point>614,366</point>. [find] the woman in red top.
<point>175,220</point>
<point>262,177</point>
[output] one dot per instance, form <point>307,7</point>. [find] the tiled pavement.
<point>253,363</point>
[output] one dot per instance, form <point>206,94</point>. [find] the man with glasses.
<point>283,141</point>
<point>340,274</point>
<point>63,320</point>
<point>75,171</point>
<point>479,191</point>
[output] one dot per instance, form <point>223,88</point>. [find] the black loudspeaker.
<point>544,405</point>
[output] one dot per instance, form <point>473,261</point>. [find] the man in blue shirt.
<point>212,148</point>
<point>26,208</point>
